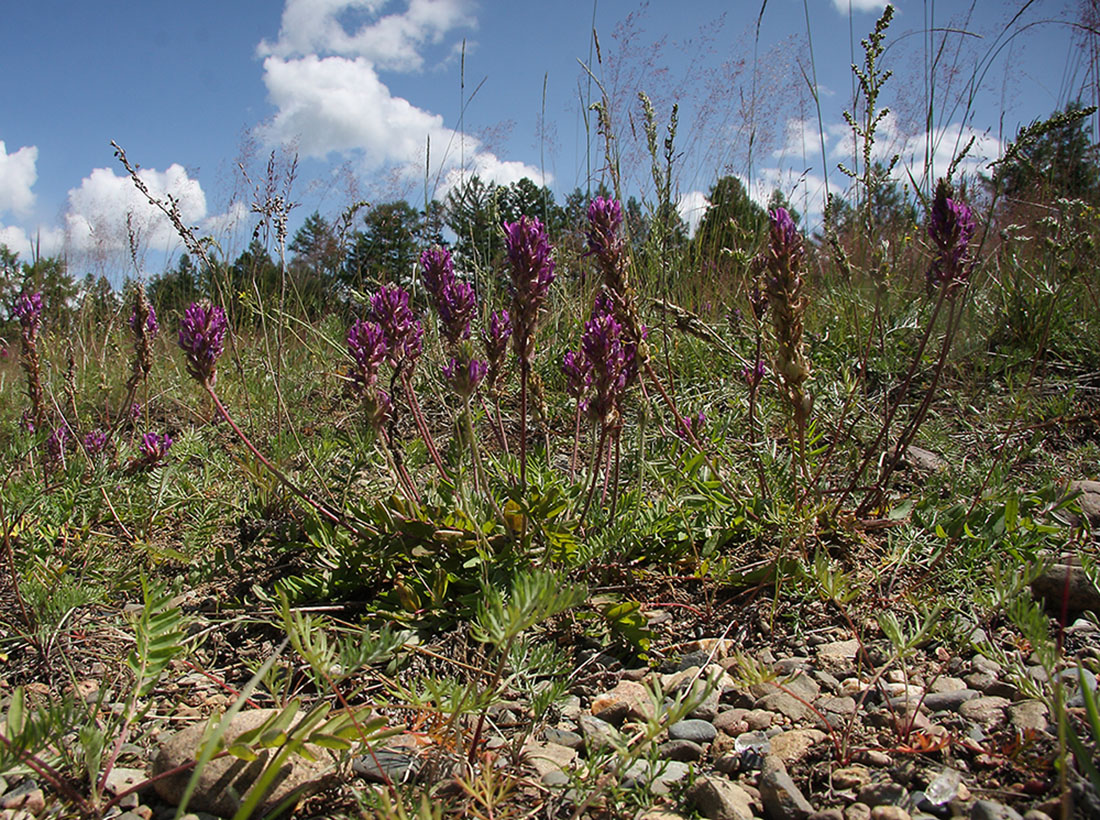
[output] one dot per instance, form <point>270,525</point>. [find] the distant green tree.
<point>98,300</point>
<point>172,291</point>
<point>778,199</point>
<point>11,278</point>
<point>316,248</point>
<point>733,227</point>
<point>1052,159</point>
<point>50,276</point>
<point>525,198</point>
<point>473,215</point>
<point>387,248</point>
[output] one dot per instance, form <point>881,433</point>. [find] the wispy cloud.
<point>323,79</point>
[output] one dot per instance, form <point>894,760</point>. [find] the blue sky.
<point>358,89</point>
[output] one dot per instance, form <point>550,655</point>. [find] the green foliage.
<point>1051,158</point>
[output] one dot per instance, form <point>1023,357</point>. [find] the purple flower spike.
<point>95,442</point>
<point>367,345</point>
<point>151,325</point>
<point>496,337</point>
<point>951,226</point>
<point>56,443</point>
<point>465,376</point>
<point>154,448</point>
<point>605,216</point>
<point>457,306</point>
<point>403,331</point>
<point>437,271</point>
<point>695,424</point>
<point>577,372</point>
<point>754,374</point>
<point>607,357</point>
<point>202,337</point>
<point>785,239</point>
<point>532,274</point>
<point>28,310</point>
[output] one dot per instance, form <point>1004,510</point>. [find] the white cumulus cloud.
<point>691,207</point>
<point>17,176</point>
<point>97,216</point>
<point>843,6</point>
<point>322,76</point>
<point>389,42</point>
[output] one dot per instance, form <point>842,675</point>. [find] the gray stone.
<point>555,777</point>
<point>1061,585</point>
<point>838,658</point>
<point>946,683</point>
<point>627,701</point>
<point>827,814</point>
<point>988,710</point>
<point>719,799</point>
<point>1028,715</point>
<point>857,811</point>
<point>1088,501</point>
<point>697,731</point>
<point>224,783</point>
<point>657,775</point>
<point>792,745</point>
<point>990,810</point>
<point>786,704</point>
<point>597,733</point>
<point>921,460</point>
<point>563,737</point>
<point>685,751</point>
<point>387,766</point>
<point>781,797</point>
<point>1072,682</point>
<point>732,722</point>
<point>950,700</point>
<point>981,663</point>
<point>889,813</point>
<point>708,707</point>
<point>852,777</point>
<point>842,706</point>
<point>548,757</point>
<point>883,794</point>
<point>759,719</point>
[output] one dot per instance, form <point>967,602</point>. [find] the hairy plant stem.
<point>24,613</point>
<point>910,430</point>
<point>322,508</point>
<point>884,429</point>
<point>422,426</point>
<point>595,475</point>
<point>524,372</point>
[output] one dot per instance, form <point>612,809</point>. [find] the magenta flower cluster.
<point>153,449</point>
<point>95,442</point>
<point>605,216</point>
<point>753,374</point>
<point>694,425</point>
<point>606,365</point>
<point>202,338</point>
<point>951,226</point>
<point>532,274</point>
<point>452,298</point>
<point>389,308</point>
<point>151,325</point>
<point>28,310</point>
<point>464,373</point>
<point>495,340</point>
